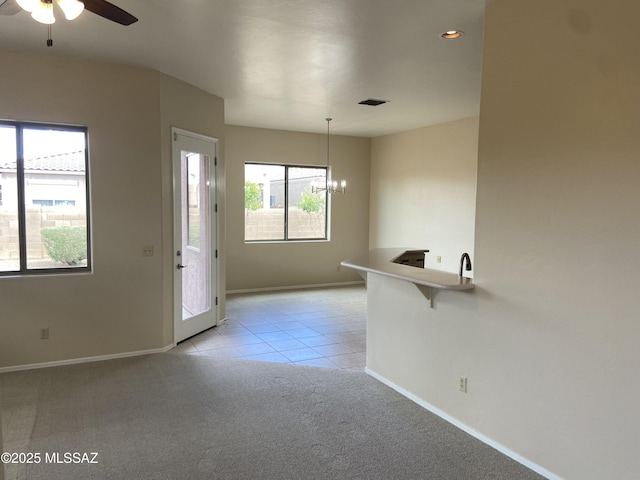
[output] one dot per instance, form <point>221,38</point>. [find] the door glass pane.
<point>193,199</point>
<point>307,208</point>
<point>55,198</point>
<point>264,202</point>
<point>196,233</point>
<point>9,235</point>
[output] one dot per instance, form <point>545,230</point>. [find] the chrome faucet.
<point>465,256</point>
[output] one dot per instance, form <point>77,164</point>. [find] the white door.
<point>195,234</point>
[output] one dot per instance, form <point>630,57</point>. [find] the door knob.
<point>180,266</point>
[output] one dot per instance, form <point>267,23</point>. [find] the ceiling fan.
<point>42,10</point>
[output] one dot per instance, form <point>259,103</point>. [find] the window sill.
<point>310,240</point>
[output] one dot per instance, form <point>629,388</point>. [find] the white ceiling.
<point>288,64</point>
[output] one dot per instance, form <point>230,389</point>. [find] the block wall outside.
<point>37,218</point>
<point>268,224</point>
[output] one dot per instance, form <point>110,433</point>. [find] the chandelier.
<point>330,186</point>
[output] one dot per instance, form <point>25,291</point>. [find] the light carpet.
<point>170,416</point>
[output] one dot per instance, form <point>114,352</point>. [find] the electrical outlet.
<point>438,259</point>
<point>147,251</point>
<point>462,384</point>
<point>44,333</point>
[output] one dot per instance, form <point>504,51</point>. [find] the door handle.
<point>180,266</point>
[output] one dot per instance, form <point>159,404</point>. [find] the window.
<point>281,204</point>
<point>44,213</point>
<point>194,163</point>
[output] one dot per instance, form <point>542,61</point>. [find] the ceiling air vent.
<point>372,102</point>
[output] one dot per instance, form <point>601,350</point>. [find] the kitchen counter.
<point>380,261</point>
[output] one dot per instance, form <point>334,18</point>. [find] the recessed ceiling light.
<point>372,102</point>
<point>452,34</point>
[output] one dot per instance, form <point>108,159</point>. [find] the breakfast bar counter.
<point>381,261</point>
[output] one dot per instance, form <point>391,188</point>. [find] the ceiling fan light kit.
<point>42,11</point>
<point>29,5</point>
<point>71,8</point>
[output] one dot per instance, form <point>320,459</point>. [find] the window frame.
<point>24,270</point>
<point>327,207</point>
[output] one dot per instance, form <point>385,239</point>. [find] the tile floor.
<point>324,327</point>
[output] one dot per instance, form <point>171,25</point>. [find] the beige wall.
<point>548,340</point>
<point>423,191</point>
<point>557,231</point>
<point>1,447</point>
<point>268,265</point>
<point>125,305</point>
<point>192,109</point>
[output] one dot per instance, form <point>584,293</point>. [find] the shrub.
<point>65,244</point>
<point>252,196</point>
<point>311,202</point>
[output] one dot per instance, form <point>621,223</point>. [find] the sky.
<point>39,143</point>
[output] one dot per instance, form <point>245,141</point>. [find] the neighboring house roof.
<point>61,162</point>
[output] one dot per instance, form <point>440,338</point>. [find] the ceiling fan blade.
<point>9,7</point>
<point>109,11</point>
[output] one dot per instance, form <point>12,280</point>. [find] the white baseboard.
<point>72,361</point>
<point>296,287</point>
<point>474,433</point>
